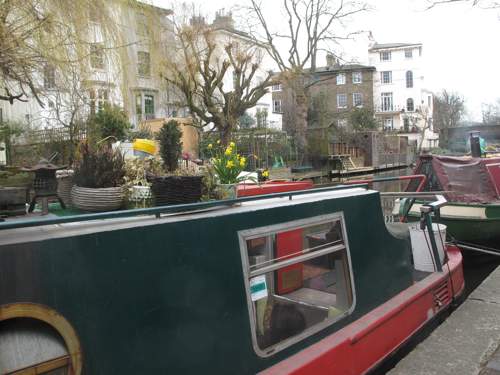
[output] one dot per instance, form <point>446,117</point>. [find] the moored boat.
<point>472,188</point>
<point>308,281</point>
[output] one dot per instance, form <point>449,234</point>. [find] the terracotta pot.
<point>96,200</point>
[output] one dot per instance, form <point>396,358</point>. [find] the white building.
<point>400,100</point>
<point>120,70</point>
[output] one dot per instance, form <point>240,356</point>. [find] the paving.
<point>466,343</point>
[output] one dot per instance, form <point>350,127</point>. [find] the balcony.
<point>389,109</point>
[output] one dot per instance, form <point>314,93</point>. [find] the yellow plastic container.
<point>145,145</point>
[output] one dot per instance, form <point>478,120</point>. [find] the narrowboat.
<point>472,188</point>
<point>303,282</point>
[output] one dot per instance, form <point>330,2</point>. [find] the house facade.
<point>121,70</point>
<point>334,91</point>
<point>401,102</point>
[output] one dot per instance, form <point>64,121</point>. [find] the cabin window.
<point>298,278</point>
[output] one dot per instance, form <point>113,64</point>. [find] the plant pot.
<point>176,189</point>
<point>140,196</point>
<point>226,191</point>
<point>97,199</point>
<point>64,185</point>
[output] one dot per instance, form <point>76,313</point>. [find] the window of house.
<point>357,77</point>
<point>410,106</point>
<point>298,278</point>
<point>96,56</point>
<point>144,106</point>
<point>141,27</point>
<point>277,106</point>
<point>386,77</point>
<point>341,79</point>
<point>98,98</point>
<point>277,87</point>
<point>408,53</point>
<point>388,123</point>
<point>49,77</point>
<point>385,56</point>
<point>341,100</point>
<point>386,98</point>
<point>409,79</point>
<point>406,124</point>
<point>143,64</point>
<point>357,99</point>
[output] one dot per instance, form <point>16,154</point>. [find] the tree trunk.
<point>301,107</point>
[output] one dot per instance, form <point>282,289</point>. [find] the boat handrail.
<point>158,211</point>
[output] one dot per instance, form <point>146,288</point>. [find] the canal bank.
<point>465,343</point>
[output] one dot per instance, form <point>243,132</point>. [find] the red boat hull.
<point>362,345</point>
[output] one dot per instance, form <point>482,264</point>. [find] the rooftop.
<point>378,46</point>
<point>343,68</point>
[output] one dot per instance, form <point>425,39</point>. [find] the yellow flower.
<point>265,173</point>
<point>232,144</point>
<point>229,151</point>
<point>230,164</point>
<point>218,141</point>
<point>243,161</point>
<point>210,146</point>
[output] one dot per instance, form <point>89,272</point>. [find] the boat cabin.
<point>220,288</point>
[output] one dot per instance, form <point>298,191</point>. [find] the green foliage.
<point>361,119</point>
<point>170,145</point>
<point>110,121</point>
<point>246,121</point>
<point>99,167</point>
<point>144,132</point>
<point>261,116</point>
<point>227,163</point>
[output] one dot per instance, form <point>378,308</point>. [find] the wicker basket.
<point>176,189</point>
<point>64,185</point>
<point>97,200</point>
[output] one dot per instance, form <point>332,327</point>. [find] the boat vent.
<point>442,295</point>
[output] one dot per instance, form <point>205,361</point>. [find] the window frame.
<point>97,57</point>
<point>408,101</point>
<point>277,87</point>
<point>409,79</point>
<point>389,76</point>
<point>341,79</point>
<point>280,106</point>
<point>144,64</point>
<point>346,101</point>
<point>408,53</point>
<point>360,105</point>
<point>385,53</point>
<point>247,234</point>
<point>359,75</point>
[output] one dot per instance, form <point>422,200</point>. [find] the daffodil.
<point>229,151</point>
<point>210,146</point>
<point>218,141</point>
<point>230,164</point>
<point>232,144</point>
<point>265,173</point>
<point>243,162</point>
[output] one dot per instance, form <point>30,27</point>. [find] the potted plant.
<point>138,187</point>
<point>228,166</point>
<point>99,176</point>
<point>182,182</point>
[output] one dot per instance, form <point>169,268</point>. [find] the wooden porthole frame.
<point>55,320</point>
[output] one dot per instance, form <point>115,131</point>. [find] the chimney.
<point>223,20</point>
<point>197,21</point>
<point>330,60</point>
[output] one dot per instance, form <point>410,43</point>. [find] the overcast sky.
<point>461,46</point>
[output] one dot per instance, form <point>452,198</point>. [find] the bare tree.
<point>449,108</point>
<point>491,113</point>
<point>311,26</point>
<point>203,63</point>
<point>60,34</point>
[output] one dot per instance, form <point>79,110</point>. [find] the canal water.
<point>476,266</point>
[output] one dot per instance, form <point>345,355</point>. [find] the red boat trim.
<point>337,352</point>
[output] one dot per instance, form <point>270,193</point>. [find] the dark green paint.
<point>170,297</point>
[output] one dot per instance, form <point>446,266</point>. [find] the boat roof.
<point>466,179</point>
<point>94,223</point>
